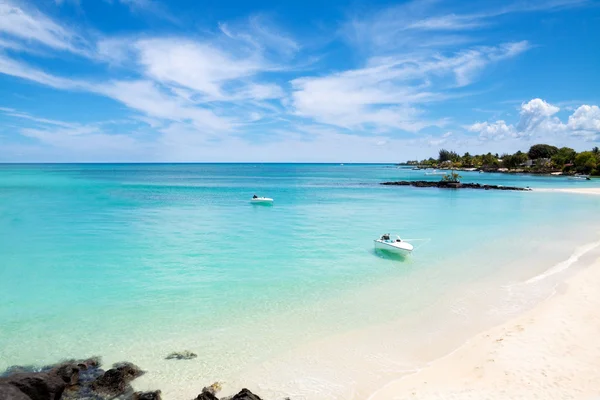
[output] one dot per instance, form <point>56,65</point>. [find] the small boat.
<point>261,200</point>
<point>580,177</point>
<point>397,245</point>
<point>435,172</point>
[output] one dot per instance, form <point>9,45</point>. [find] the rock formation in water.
<point>181,355</point>
<point>453,185</point>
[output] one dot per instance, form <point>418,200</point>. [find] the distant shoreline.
<point>518,171</point>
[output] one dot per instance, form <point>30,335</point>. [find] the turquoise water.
<point>130,258</point>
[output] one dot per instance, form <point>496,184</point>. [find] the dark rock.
<point>46,383</point>
<point>147,395</point>
<point>93,362</point>
<point>245,394</point>
<point>453,185</point>
<point>181,355</point>
<point>206,396</point>
<point>72,380</point>
<point>10,392</point>
<point>69,373</point>
<point>19,369</point>
<point>33,385</point>
<point>116,380</point>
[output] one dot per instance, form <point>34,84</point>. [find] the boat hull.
<point>262,200</point>
<point>394,247</point>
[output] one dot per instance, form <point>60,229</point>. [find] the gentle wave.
<point>563,265</point>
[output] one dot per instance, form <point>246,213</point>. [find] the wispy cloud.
<point>201,82</point>
<point>195,65</point>
<point>32,26</point>
<point>151,7</point>
<point>421,24</point>
<point>238,82</point>
<point>72,141</point>
<point>23,115</point>
<point>262,35</point>
<point>450,22</point>
<point>10,66</point>
<point>384,94</point>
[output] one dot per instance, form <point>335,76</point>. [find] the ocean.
<point>134,261</point>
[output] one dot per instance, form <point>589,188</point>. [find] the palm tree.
<point>452,177</point>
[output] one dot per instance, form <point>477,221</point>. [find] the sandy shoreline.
<point>519,359</point>
<point>549,352</point>
<point>589,191</point>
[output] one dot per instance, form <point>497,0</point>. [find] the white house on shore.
<point>538,162</point>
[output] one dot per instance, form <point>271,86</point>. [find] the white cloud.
<point>385,92</point>
<point>32,26</point>
<point>585,118</point>
<point>430,23</point>
<point>449,22</point>
<point>204,93</point>
<point>537,120</point>
<point>9,66</point>
<point>259,33</point>
<point>148,98</point>
<point>536,115</point>
<point>115,51</point>
<point>196,65</point>
<point>71,141</point>
<point>493,130</point>
<point>18,114</point>
<point>470,63</point>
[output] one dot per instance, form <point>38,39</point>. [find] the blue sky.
<point>340,81</point>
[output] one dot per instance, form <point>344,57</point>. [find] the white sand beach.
<point>590,191</point>
<point>550,352</point>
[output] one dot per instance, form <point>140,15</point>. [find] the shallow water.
<point>135,261</point>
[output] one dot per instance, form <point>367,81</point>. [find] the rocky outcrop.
<point>72,380</point>
<point>84,379</point>
<point>32,386</point>
<point>147,395</point>
<point>116,380</point>
<point>206,396</point>
<point>245,394</point>
<point>453,185</point>
<point>46,383</point>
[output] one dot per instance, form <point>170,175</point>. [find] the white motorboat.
<point>261,200</point>
<point>397,245</point>
<point>580,177</point>
<point>435,172</point>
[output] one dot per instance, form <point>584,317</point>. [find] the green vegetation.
<point>452,177</point>
<point>538,151</point>
<point>540,158</point>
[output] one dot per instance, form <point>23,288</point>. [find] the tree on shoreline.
<point>540,158</point>
<point>538,151</point>
<point>586,162</point>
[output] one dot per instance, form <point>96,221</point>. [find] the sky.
<point>294,81</point>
